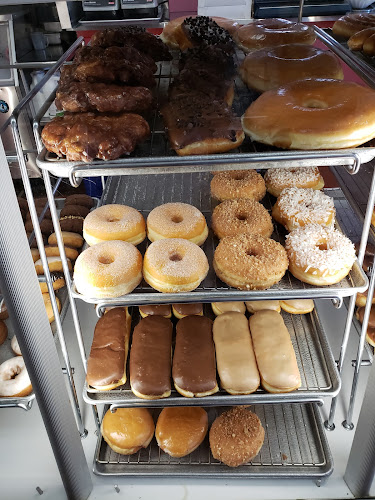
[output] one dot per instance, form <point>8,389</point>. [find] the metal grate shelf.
<point>295,446</point>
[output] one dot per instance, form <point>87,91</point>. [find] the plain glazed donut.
<point>238,184</point>
<point>262,33</point>
<point>174,265</point>
<point>272,67</point>
<point>319,255</point>
<point>297,207</point>
<point>114,222</point>
<point>277,179</point>
<point>74,240</point>
<point>177,220</point>
<point>15,347</point>
<point>14,379</point>
<point>313,114</point>
<point>242,216</point>
<point>108,269</point>
<point>250,261</point>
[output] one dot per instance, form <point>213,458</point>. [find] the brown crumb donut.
<point>3,332</point>
<point>236,436</point>
<point>84,200</point>
<point>240,216</point>
<point>74,210</point>
<point>72,223</point>
<point>238,184</point>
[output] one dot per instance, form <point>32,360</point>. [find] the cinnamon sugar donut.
<point>174,265</point>
<point>298,207</point>
<point>114,222</point>
<point>277,179</point>
<point>240,216</point>
<point>177,220</point>
<point>319,255</point>
<point>108,269</point>
<point>14,379</point>
<point>238,184</point>
<point>250,261</point>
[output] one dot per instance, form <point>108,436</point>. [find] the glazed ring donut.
<point>319,255</point>
<point>177,220</point>
<point>15,347</point>
<point>242,216</point>
<point>74,240</point>
<point>53,251</point>
<point>54,265</point>
<point>297,207</point>
<point>313,114</point>
<point>262,33</point>
<point>174,265</point>
<point>108,269</point>
<point>14,380</point>
<point>114,222</point>
<point>48,306</point>
<point>250,261</point>
<point>271,67</point>
<point>277,179</point>
<point>238,184</point>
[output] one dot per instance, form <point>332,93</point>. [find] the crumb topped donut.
<point>319,255</point>
<point>250,261</point>
<point>174,265</point>
<point>277,179</point>
<point>234,217</point>
<point>177,220</point>
<point>108,269</point>
<point>114,222</point>
<point>298,207</point>
<point>238,184</point>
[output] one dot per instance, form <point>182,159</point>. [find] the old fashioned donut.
<point>114,222</point>
<point>250,261</point>
<point>177,220</point>
<point>262,33</point>
<point>277,179</point>
<point>313,114</point>
<point>238,184</point>
<point>350,24</point>
<point>108,269</point>
<point>242,216</point>
<point>15,347</point>
<point>14,380</point>
<point>319,255</point>
<point>174,265</point>
<point>53,251</point>
<point>54,265</point>
<point>298,306</point>
<point>297,207</point>
<point>3,332</point>
<point>70,239</point>
<point>272,67</point>
<point>48,306</point>
<point>236,436</point>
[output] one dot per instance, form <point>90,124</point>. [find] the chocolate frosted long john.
<point>150,358</point>
<point>194,368</point>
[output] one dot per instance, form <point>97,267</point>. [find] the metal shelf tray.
<point>295,447</point>
<point>146,192</point>
<point>319,376</point>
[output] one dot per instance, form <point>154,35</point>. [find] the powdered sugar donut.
<point>277,179</point>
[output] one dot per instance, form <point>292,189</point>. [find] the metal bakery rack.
<point>155,175</point>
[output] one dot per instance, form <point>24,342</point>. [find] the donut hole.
<point>175,257</point>
<point>241,216</point>
<point>106,259</point>
<point>177,219</point>
<point>315,104</point>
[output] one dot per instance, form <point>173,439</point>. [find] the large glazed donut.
<point>14,379</point>
<point>313,114</point>
<point>108,269</point>
<point>114,222</point>
<point>174,265</point>
<point>177,220</point>
<point>277,179</point>
<point>262,33</point>
<point>272,67</point>
<point>319,255</point>
<point>238,184</point>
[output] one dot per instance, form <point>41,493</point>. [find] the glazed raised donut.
<point>297,207</point>
<point>313,114</point>
<point>108,269</point>
<point>14,379</point>
<point>271,67</point>
<point>15,347</point>
<point>250,261</point>
<point>238,184</point>
<point>319,255</point>
<point>177,220</point>
<point>174,265</point>
<point>242,216</point>
<point>262,33</point>
<point>54,265</point>
<point>277,179</point>
<point>74,240</point>
<point>114,222</point>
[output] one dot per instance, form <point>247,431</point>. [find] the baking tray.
<point>146,192</point>
<point>319,376</point>
<point>295,447</point>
